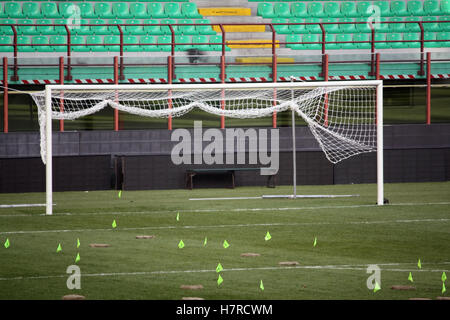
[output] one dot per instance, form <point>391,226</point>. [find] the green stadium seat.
<point>4,40</point>
<point>7,30</point>
<point>299,10</point>
<point>99,28</point>
<point>131,44</point>
<point>145,42</point>
<point>150,28</point>
<point>383,7</point>
<point>81,28</point>
<point>45,29</point>
<point>397,27</point>
<point>23,44</point>
<point>347,28</point>
<point>362,37</point>
<point>412,36</point>
<point>166,29</point>
<point>382,27</point>
<point>103,10</point>
<point>348,9</point>
<point>445,7</point>
<point>2,11</point>
<point>202,42</point>
<point>443,36</point>
<point>282,10</point>
<point>313,28</point>
<point>265,10</point>
<point>444,26</point>
<point>60,29</point>
<point>398,37</point>
<point>182,40</point>
<point>204,29</point>
<point>281,29</point>
<point>331,28</point>
<point>50,10</point>
<point>26,30</point>
<point>365,8</point>
<point>58,42</point>
<point>138,10</point>
<point>156,10</point>
<point>313,40</point>
<point>431,26</point>
<point>347,38</point>
<point>77,43</point>
<point>431,7</point>
<point>121,10</point>
<point>31,10</point>
<point>300,28</point>
<point>68,9</point>
<point>216,43</point>
<point>173,10</point>
<point>163,42</point>
<point>315,9</point>
<point>294,38</point>
<point>135,29</point>
<point>363,27</point>
<point>190,10</point>
<point>430,36</point>
<point>112,43</point>
<point>87,10</point>
<point>13,10</point>
<point>398,8</point>
<point>187,30</point>
<point>95,44</point>
<point>415,8</point>
<point>331,38</point>
<point>113,30</point>
<point>332,9</point>
<point>382,38</point>
<point>412,27</point>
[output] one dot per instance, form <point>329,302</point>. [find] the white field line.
<point>22,205</point>
<point>317,267</point>
<point>226,210</point>
<point>228,226</point>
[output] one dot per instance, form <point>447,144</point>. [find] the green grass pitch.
<point>352,233</point>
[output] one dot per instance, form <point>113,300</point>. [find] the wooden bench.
<point>191,173</point>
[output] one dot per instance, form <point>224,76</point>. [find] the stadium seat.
<point>45,29</point>
<point>299,10</point>
<point>101,29</point>
<point>430,36</point>
<point>68,9</point>
<point>112,43</point>
<point>431,26</point>
<point>382,27</point>
<point>114,30</point>
<point>26,30</point>
<point>138,10</point>
<point>7,30</point>
<point>24,44</point>
<point>103,10</point>
<point>121,10</point>
<point>131,44</point>
<point>315,9</point>
<point>282,10</point>
<point>216,43</point>
<point>365,8</point>
<point>443,36</point>
<point>299,28</point>
<point>412,27</point>
<point>313,28</point>
<point>415,8</point>
<point>398,8</point>
<point>95,44</point>
<point>59,43</point>
<point>156,10</point>
<point>4,40</point>
<point>348,39</point>
<point>133,30</point>
<point>444,26</point>
<point>50,10</point>
<point>431,7</point>
<point>382,38</point>
<point>397,27</point>
<point>204,29</point>
<point>166,29</point>
<point>182,41</point>
<point>332,9</point>
<point>200,42</point>
<point>313,40</point>
<point>294,38</point>
<point>173,10</point>
<point>77,44</point>
<point>265,10</point>
<point>281,29</point>
<point>362,37</point>
<point>31,10</point>
<point>150,28</point>
<point>189,10</point>
<point>2,10</point>
<point>187,30</point>
<point>60,29</point>
<point>398,37</point>
<point>410,36</point>
<point>383,7</point>
<point>163,42</point>
<point>347,28</point>
<point>87,10</point>
<point>145,42</point>
<point>445,7</point>
<point>363,27</point>
<point>331,38</point>
<point>331,28</point>
<point>348,9</point>
<point>13,10</point>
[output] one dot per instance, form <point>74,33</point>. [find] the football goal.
<point>345,117</point>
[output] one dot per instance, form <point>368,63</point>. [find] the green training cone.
<point>268,236</point>
<point>410,277</point>
<point>443,277</point>
<point>205,241</point>
<point>78,243</point>
<point>225,244</point>
<point>219,280</point>
<point>219,268</point>
<point>377,287</point>
<point>114,224</point>
<point>7,244</point>
<point>419,264</point>
<point>181,244</point>
<point>261,285</point>
<point>77,258</point>
<point>59,249</point>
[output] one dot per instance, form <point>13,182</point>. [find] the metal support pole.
<point>428,87</point>
<point>294,148</point>
<point>61,101</point>
<point>5,95</point>
<point>116,81</point>
<point>48,151</point>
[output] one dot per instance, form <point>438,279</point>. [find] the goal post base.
<point>309,196</point>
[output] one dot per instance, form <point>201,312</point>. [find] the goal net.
<point>344,117</point>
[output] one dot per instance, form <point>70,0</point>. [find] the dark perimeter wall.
<point>134,160</point>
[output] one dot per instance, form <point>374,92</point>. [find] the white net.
<point>342,119</point>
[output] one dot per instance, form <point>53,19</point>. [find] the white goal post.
<point>345,117</point>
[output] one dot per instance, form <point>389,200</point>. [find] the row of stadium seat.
<point>353,9</point>
<point>110,43</point>
<point>98,10</point>
<point>401,40</point>
<point>101,29</point>
<point>361,27</point>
